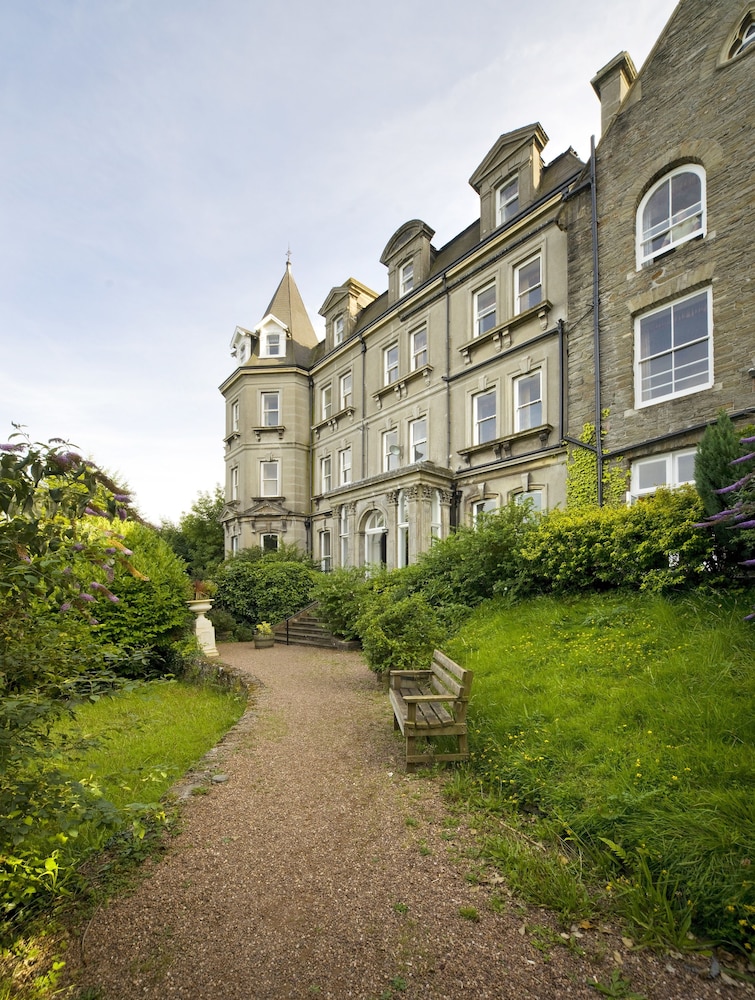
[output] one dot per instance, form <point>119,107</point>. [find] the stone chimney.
<point>611,85</point>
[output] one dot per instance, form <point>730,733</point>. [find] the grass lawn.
<point>622,727</point>
<point>150,735</point>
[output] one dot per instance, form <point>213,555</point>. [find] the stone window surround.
<point>669,302</point>
<point>644,260</point>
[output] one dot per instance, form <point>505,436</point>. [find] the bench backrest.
<point>449,678</point>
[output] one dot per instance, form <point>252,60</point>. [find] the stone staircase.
<point>305,629</point>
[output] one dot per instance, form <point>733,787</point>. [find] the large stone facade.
<point>461,386</point>
<point>674,276</point>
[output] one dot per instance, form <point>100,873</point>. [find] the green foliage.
<point>284,553</point>
<point>398,633</point>
<point>722,456</point>
<point>263,589</point>
<point>620,725</point>
<point>582,474</point>
<point>478,562</point>
<point>198,537</point>
<point>151,613</point>
<point>654,544</point>
<point>340,595</point>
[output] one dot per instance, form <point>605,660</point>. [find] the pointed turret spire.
<point>288,307</point>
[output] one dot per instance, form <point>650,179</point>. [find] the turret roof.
<point>288,307</point>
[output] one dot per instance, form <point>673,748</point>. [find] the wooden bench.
<point>431,703</point>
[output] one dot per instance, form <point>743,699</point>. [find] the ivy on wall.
<point>582,474</point>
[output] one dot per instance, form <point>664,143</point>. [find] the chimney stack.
<point>611,85</point>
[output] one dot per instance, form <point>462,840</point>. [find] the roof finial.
<point>288,256</point>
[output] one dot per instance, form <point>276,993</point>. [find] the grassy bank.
<point>620,728</point>
<point>147,737</point>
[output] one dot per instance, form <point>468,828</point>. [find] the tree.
<point>720,449</point>
<point>198,537</point>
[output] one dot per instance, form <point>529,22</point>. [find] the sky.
<point>159,158</point>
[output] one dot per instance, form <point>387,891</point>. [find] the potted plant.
<point>263,635</point>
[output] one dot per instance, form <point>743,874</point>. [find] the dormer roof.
<point>505,147</point>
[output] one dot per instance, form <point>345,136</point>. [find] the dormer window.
<point>671,213</point>
<point>338,328</point>
<point>406,277</point>
<point>507,200</point>
<point>745,36</point>
<point>271,345</point>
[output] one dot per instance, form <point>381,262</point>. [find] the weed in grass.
<point>617,987</point>
<point>424,849</point>
<point>401,908</point>
<point>469,913</point>
<point>399,984</point>
<point>411,821</point>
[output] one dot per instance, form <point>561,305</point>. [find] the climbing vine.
<point>582,474</point>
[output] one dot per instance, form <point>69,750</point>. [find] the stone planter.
<point>203,627</point>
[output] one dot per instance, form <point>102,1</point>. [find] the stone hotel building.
<point>615,291</point>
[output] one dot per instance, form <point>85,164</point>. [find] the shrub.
<point>263,590</point>
<point>151,613</point>
<point>473,564</point>
<point>340,596</point>
<point>398,633</point>
<point>653,544</point>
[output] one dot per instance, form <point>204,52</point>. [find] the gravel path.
<point>320,869</point>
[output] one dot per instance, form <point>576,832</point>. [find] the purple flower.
<point>121,498</point>
<point>734,486</point>
<point>743,458</point>
<point>748,562</point>
<point>95,511</point>
<point>65,607</point>
<point>746,524</point>
<point>78,546</point>
<point>11,447</point>
<point>86,597</point>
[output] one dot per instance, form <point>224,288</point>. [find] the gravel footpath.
<point>320,869</point>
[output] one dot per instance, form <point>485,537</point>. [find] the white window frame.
<point>391,450</point>
<point>235,415</point>
<point>687,224</point>
<point>480,507</point>
<point>418,451</point>
<point>338,329</point>
<point>506,202</point>
<point>525,412</point>
<point>326,474</point>
<point>326,401</point>
<point>671,461</point>
<point>485,316</point>
<point>266,478</point>
<point>344,466</point>
<point>343,535</point>
<point>390,364</point>
<point>535,497</point>
<point>326,551</point>
<point>436,515</point>
<point>406,277</point>
<point>234,545</point>
<point>481,425</point>
<point>522,296</point>
<point>640,361</point>
<point>235,482</point>
<point>270,338</point>
<point>345,390</point>
<point>419,347</point>
<point>266,411</point>
<point>402,530</point>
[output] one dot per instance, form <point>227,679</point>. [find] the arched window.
<point>375,539</point>
<point>672,212</point>
<point>745,36</point>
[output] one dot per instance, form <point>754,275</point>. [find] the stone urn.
<point>203,627</point>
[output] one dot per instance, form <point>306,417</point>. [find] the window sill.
<point>274,429</point>
<point>503,447</point>
<point>501,336</point>
<point>332,421</point>
<point>400,386</point>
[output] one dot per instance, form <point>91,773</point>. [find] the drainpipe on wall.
<point>364,390</point>
<point>453,513</point>
<point>596,321</point>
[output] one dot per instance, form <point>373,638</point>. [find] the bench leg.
<point>464,744</point>
<point>395,723</point>
<point>411,750</point>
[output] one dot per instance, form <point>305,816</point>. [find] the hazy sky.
<point>159,157</point>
